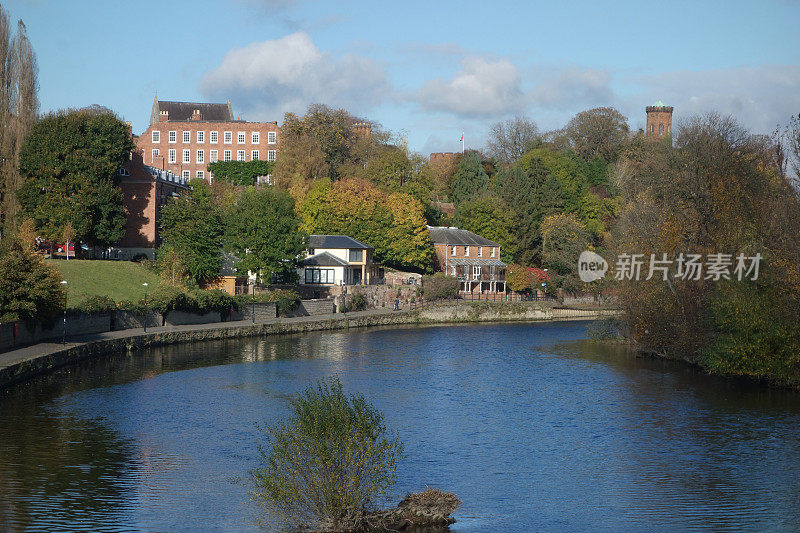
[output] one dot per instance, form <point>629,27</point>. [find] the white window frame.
<point>173,155</point>
<point>466,251</point>
<point>240,155</point>
<point>271,155</point>
<point>201,137</point>
<point>213,137</point>
<point>156,136</point>
<point>255,137</point>
<point>272,137</point>
<point>155,153</point>
<point>453,251</point>
<point>187,156</point>
<point>213,156</point>
<point>476,272</point>
<point>201,156</point>
<point>172,137</point>
<point>200,174</point>
<point>187,137</point>
<point>480,251</point>
<point>241,137</point>
<point>254,155</point>
<point>187,175</point>
<point>491,251</point>
<point>226,155</point>
<point>227,137</point>
<point>453,270</point>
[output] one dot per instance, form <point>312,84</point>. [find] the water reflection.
<point>535,429</point>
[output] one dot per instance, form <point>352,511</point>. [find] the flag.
<point>462,137</point>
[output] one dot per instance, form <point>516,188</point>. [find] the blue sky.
<point>426,70</point>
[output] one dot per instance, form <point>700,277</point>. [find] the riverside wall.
<point>27,367</point>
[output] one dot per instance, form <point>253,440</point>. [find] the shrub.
<point>286,300</point>
<point>356,302</point>
<point>168,298</point>
<point>29,288</point>
<point>97,304</point>
<point>327,462</point>
<point>440,286</point>
<point>214,300</point>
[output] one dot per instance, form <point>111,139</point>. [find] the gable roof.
<point>448,235</point>
<point>336,241</point>
<point>324,259</point>
<point>183,111</point>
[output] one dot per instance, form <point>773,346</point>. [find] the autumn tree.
<point>599,132</point>
<point>563,240</point>
<point>511,138</point>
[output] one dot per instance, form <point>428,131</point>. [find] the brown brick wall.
<point>658,117</point>
<point>443,252</point>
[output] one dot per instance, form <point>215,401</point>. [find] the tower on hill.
<point>659,119</point>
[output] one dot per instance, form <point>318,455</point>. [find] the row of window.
<point>227,136</point>
<point>319,275</point>
<point>213,155</point>
<point>476,271</point>
<point>466,251</point>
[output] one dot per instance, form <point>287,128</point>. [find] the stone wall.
<point>15,334</point>
<point>313,307</point>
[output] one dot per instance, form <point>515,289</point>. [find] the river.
<point>534,427</point>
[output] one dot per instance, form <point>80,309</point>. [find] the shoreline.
<point>20,365</point>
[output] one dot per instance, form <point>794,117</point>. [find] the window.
<point>310,251</point>
<point>480,251</point>
<point>156,153</point>
<point>187,136</point>
<point>227,137</point>
<point>240,138</point>
<point>201,136</point>
<point>214,137</point>
<point>466,251</point>
<point>124,172</point>
<point>156,136</point>
<point>492,271</point>
<point>213,156</point>
<point>240,155</point>
<point>453,251</point>
<point>319,275</point>
<point>271,155</point>
<point>172,155</point>
<point>661,129</point>
<point>476,272</point>
<point>356,256</point>
<point>452,270</point>
<point>254,155</point>
<point>187,174</point>
<point>491,251</point>
<point>272,137</point>
<point>187,156</point>
<point>173,136</point>
<point>199,174</point>
<point>255,137</point>
<point>201,156</point>
<point>227,155</point>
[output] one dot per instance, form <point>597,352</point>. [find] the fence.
<point>489,297</point>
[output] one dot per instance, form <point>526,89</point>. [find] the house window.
<point>201,156</point>
<point>466,251</point>
<point>452,251</point>
<point>476,272</point>
<point>452,270</point>
<point>156,136</point>
<point>240,138</point>
<point>124,172</point>
<point>227,155</point>
<point>356,256</point>
<point>173,136</point>
<point>272,137</point>
<point>240,155</point>
<point>214,137</point>
<point>254,155</point>
<point>269,179</point>
<point>199,174</point>
<point>201,136</point>
<point>319,275</point>
<point>491,252</point>
<point>213,156</point>
<point>227,137</point>
<point>172,155</point>
<point>187,136</point>
<point>187,156</point>
<point>186,174</point>
<point>156,153</point>
<point>480,251</point>
<point>271,155</point>
<point>661,129</point>
<point>492,271</point>
<point>255,137</point>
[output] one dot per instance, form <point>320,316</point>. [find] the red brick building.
<point>659,119</point>
<point>184,137</point>
<point>473,259</point>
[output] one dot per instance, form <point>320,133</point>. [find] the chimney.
<point>164,115</point>
<point>196,115</point>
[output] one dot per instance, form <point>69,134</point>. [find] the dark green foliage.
<point>470,178</point>
<point>356,302</point>
<point>490,217</point>
<point>70,166</point>
<point>440,286</point>
<point>192,231</point>
<point>29,288</point>
<point>286,300</point>
<point>240,172</point>
<point>328,461</point>
<point>168,298</point>
<point>97,304</point>
<point>263,232</point>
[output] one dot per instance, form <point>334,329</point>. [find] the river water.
<point>533,426</point>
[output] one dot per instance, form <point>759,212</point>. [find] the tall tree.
<point>470,178</point>
<point>18,110</point>
<point>30,289</point>
<point>490,217</point>
<point>598,132</point>
<point>509,139</point>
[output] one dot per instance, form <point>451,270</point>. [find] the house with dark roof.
<point>337,260</point>
<point>473,259</point>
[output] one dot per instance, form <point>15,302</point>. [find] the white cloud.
<point>569,88</point>
<point>482,88</point>
<point>266,79</point>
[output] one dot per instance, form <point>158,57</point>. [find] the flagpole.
<point>462,142</point>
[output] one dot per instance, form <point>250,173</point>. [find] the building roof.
<point>183,111</point>
<point>335,241</point>
<point>659,103</point>
<point>447,235</point>
<point>476,261</point>
<point>324,259</point>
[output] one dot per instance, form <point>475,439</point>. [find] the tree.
<point>192,229</point>
<point>469,179</point>
<point>29,288</point>
<point>18,109</point>
<point>240,172</point>
<point>563,240</point>
<point>598,132</point>
<point>70,164</point>
<point>490,217</point>
<point>509,139</point>
<point>263,232</point>
<point>327,462</point>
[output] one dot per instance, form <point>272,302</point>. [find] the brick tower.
<point>659,119</point>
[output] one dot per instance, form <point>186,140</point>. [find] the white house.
<point>336,260</point>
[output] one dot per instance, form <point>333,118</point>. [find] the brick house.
<point>184,137</point>
<point>337,260</point>
<point>473,259</point>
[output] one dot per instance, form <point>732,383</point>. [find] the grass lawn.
<point>120,280</point>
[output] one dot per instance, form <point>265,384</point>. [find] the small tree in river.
<point>328,462</point>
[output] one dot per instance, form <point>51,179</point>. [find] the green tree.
<point>599,132</point>
<point>470,178</point>
<point>490,217</point>
<point>29,288</point>
<point>563,240</point>
<point>263,231</point>
<point>192,230</point>
<point>240,172</point>
<point>70,164</point>
<point>327,462</point>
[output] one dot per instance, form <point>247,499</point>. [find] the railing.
<point>419,303</point>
